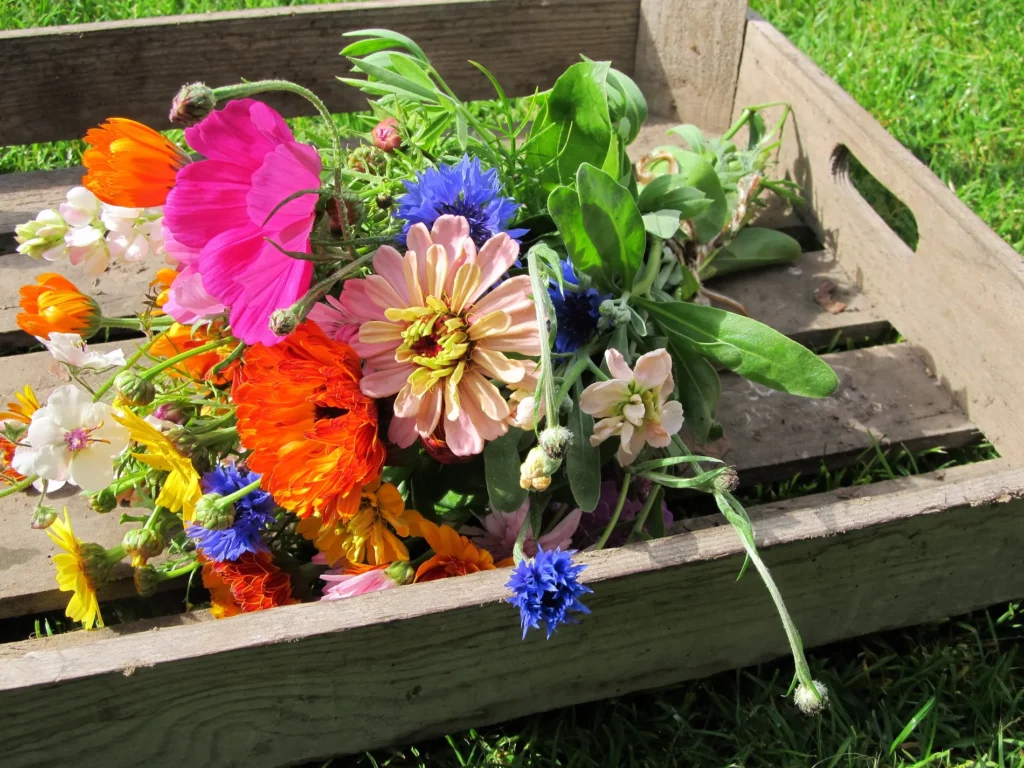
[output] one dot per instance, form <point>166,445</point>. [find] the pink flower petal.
<point>617,365</point>
<point>652,369</point>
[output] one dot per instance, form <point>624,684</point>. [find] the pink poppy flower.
<point>432,333</point>
<point>220,207</point>
<point>634,404</point>
<point>501,529</point>
<point>187,299</point>
<point>334,320</point>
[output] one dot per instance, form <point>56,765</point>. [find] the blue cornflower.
<point>253,513</point>
<point>464,189</point>
<point>546,588</point>
<point>577,312</point>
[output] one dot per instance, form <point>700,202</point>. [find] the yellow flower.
<point>25,404</point>
<point>72,574</point>
<point>367,536</point>
<point>181,490</point>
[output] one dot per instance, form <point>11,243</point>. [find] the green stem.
<point>231,498</point>
<point>642,284</point>
<point>20,486</point>
<point>182,571</point>
<point>422,558</point>
<point>601,375</point>
<point>133,358</point>
<point>615,515</point>
<point>574,372</point>
<point>170,362</point>
<point>135,324</point>
<point>261,86</point>
<point>547,372</point>
<point>653,499</point>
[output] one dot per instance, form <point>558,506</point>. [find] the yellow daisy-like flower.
<point>72,574</point>
<point>369,535</point>
<point>21,409</point>
<point>181,489</point>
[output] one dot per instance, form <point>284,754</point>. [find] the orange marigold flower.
<point>130,164</point>
<point>454,555</point>
<point>312,432</point>
<point>181,338</point>
<point>250,583</point>
<point>25,403</point>
<point>162,284</point>
<point>55,305</point>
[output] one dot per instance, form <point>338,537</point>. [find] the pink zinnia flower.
<point>501,529</point>
<point>634,404</point>
<point>187,299</point>
<point>334,320</point>
<point>360,579</point>
<point>219,205</point>
<point>432,333</point>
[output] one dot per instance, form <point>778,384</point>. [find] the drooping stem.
<point>170,362</point>
<point>615,515</point>
<point>653,499</point>
<point>547,381</point>
<point>182,571</point>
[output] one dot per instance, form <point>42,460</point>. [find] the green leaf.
<point>627,106</point>
<point>670,191</point>
<point>395,80</point>
<point>699,390</point>
<point>613,223</point>
<point>462,129</point>
<point>494,83</point>
<point>583,464</point>
<point>501,470</point>
<point>693,136</point>
<point>564,207</point>
<point>410,68</point>
<point>696,171</point>
<point>663,224</point>
<point>381,39</point>
<point>690,284</point>
<point>575,126</point>
<point>753,247</point>
<point>751,349</point>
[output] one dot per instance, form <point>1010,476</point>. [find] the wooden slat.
<point>687,56</point>
<point>885,394</point>
<point>663,611</point>
<point>23,195</point>
<point>57,84</point>
<point>958,297</point>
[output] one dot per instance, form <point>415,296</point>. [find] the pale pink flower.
<point>334,320</point>
<point>501,529</point>
<point>71,349</point>
<point>187,300</point>
<point>634,404</point>
<point>222,207</point>
<point>431,333</point>
<point>343,583</point>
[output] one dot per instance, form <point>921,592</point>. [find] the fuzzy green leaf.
<point>501,470</point>
<point>662,224</point>
<point>583,464</point>
<point>699,390</point>
<point>753,247</point>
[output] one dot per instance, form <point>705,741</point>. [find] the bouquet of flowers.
<point>462,337</point>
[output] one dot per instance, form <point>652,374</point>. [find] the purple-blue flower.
<point>463,189</point>
<point>253,513</point>
<point>546,588</point>
<point>577,312</point>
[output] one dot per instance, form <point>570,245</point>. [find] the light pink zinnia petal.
<point>355,300</point>
<point>498,366</point>
<point>652,369</point>
<point>429,414</point>
<point>617,365</point>
<point>402,432</point>
<point>511,295</point>
<point>452,233</point>
<point>462,435</point>
<point>388,263</point>
<point>494,260</point>
<point>341,585</point>
<point>386,382</point>
<point>334,320</point>
<point>561,535</point>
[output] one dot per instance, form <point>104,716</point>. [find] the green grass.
<point>945,79</point>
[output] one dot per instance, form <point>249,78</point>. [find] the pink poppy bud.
<point>386,136</point>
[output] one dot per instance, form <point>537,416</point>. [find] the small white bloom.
<point>88,248</point>
<point>82,208</point>
<point>70,348</point>
<point>72,439</point>
<point>133,233</point>
<point>43,237</point>
<point>811,702</point>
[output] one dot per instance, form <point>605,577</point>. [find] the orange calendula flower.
<point>162,284</point>
<point>369,536</point>
<point>312,432</point>
<point>55,305</point>
<point>130,164</point>
<point>250,583</point>
<point>181,338</point>
<point>454,555</point>
<point>19,410</point>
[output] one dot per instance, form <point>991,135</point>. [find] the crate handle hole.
<point>893,211</point>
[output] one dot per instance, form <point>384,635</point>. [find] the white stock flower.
<point>88,248</point>
<point>72,439</point>
<point>70,348</point>
<point>43,237</point>
<point>634,404</point>
<point>82,208</point>
<point>133,233</point>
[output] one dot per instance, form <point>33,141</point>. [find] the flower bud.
<point>556,441</point>
<point>365,159</point>
<point>193,102</point>
<point>726,481</point>
<point>384,201</point>
<point>43,517</point>
<point>535,473</point>
<point>170,412</point>
<point>213,515</point>
<point>43,237</point>
<point>811,702</point>
<point>386,136</point>
<point>400,571</point>
<point>134,389</point>
<point>103,501</point>
<point>344,212</point>
<point>616,311</point>
<point>283,322</point>
<point>146,580</point>
<point>142,544</point>
<point>98,564</point>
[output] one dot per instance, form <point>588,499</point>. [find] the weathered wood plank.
<point>958,296</point>
<point>847,568</point>
<point>23,195</point>
<point>523,42</point>
<point>885,392</point>
<point>687,56</point>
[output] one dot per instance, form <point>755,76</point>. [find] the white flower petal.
<point>92,468</point>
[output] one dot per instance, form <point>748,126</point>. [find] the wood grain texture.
<point>330,678</point>
<point>885,392</point>
<point>145,61</point>
<point>687,57</point>
<point>958,297</point>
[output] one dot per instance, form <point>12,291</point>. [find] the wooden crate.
<point>319,679</point>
